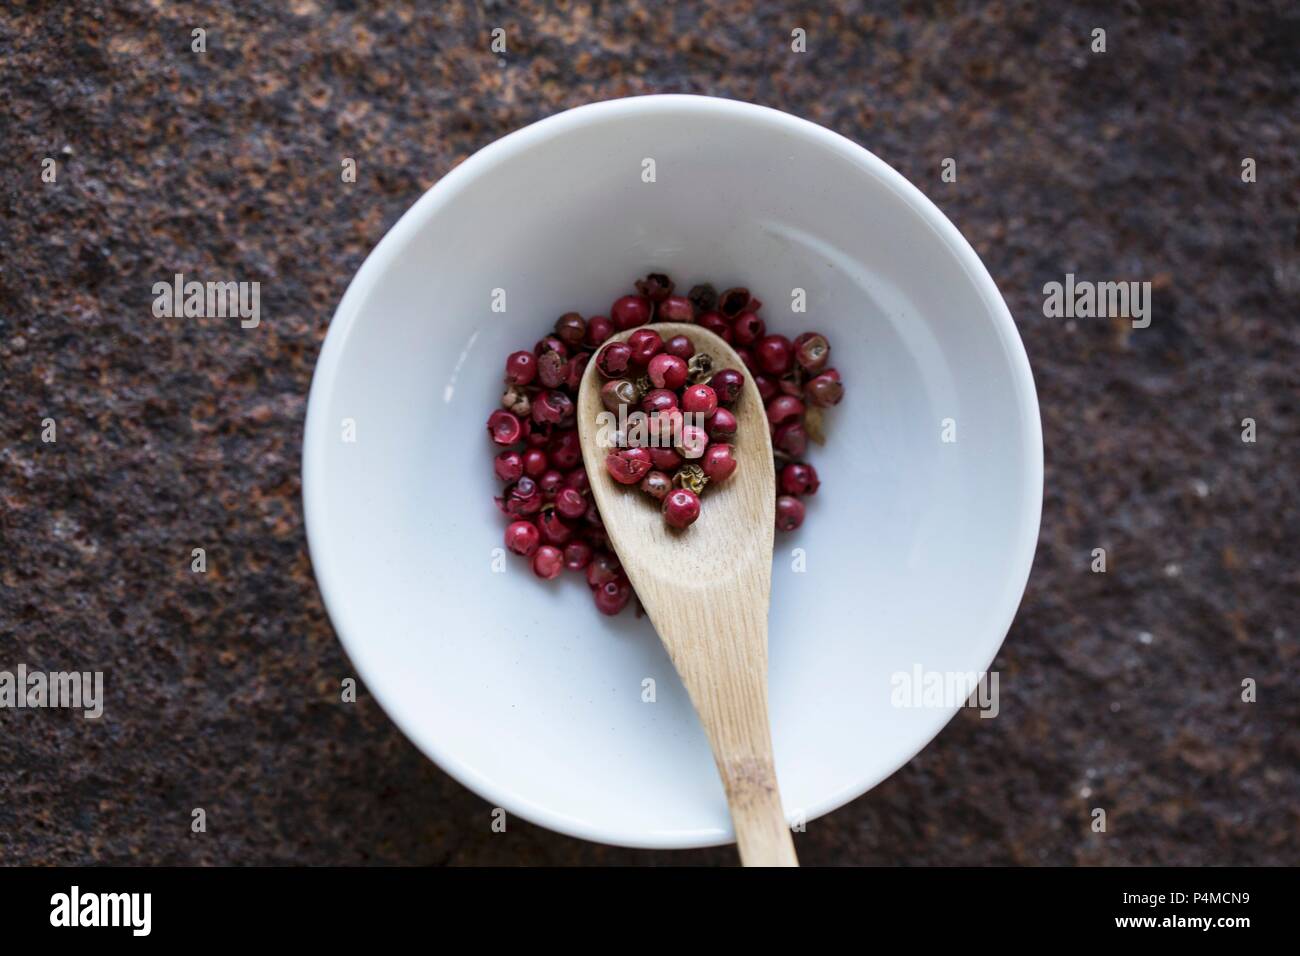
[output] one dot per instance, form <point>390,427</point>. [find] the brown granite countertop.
<point>1119,690</point>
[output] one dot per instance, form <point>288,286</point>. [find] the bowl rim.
<point>316,430</point>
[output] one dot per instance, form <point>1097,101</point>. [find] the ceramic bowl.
<point>915,551</point>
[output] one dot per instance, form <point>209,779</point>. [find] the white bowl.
<point>917,550</point>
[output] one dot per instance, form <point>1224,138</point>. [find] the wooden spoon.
<point>706,590</point>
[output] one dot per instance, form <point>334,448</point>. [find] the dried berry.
<point>616,393</point>
<point>733,302</point>
<point>631,311</point>
<point>656,484</point>
<point>570,329</point>
<point>812,352</point>
<point>825,389</point>
<point>656,286</point>
<point>675,308</point>
<point>716,324</point>
<point>691,477</point>
<point>704,297</point>
<point>699,367</point>
<point>681,507</point>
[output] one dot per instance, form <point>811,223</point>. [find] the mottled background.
<point>1119,690</point>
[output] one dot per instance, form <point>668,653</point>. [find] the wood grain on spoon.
<point>706,590</point>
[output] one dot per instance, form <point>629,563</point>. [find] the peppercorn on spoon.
<point>706,589</point>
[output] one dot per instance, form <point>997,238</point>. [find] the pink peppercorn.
<point>630,311</point>
<point>667,371</point>
<point>681,507</point>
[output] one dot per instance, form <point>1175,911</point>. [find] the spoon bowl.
<point>737,516</point>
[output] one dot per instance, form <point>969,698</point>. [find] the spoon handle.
<point>722,659</point>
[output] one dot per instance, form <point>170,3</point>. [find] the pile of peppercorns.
<point>547,495</point>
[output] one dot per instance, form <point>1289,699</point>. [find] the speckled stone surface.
<point>1119,690</point>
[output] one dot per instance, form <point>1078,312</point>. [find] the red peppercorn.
<point>645,345</point>
<point>522,499</point>
<point>681,346</point>
<point>552,407</point>
<point>774,354</point>
<point>732,302</point>
<point>799,479</point>
<point>704,297</point>
<point>551,343</point>
<point>574,368</point>
<point>675,308</point>
<point>748,328</point>
<point>599,328</point>
<point>614,359</point>
<point>789,513</point>
<point>721,425</point>
<point>656,484</point>
<point>631,311</point>
<point>550,483</point>
<point>791,438</point>
<point>667,371</point>
<point>565,449</point>
<point>767,387</point>
<point>616,393</point>
<point>504,428</point>
<point>548,562</point>
<point>681,507</point>
<point>727,383</point>
<point>508,465</point>
<point>790,386</point>
<point>700,399</point>
<point>521,368</point>
<point>553,528</point>
<point>628,465</point>
<point>522,537</point>
<point>719,462</point>
<point>812,352</point>
<point>716,324</point>
<point>612,596</point>
<point>571,504</point>
<point>570,328</point>
<point>784,408</point>
<point>535,462</point>
<point>578,480</point>
<point>577,555</point>
<point>659,400</point>
<point>666,459</point>
<point>825,390</point>
<point>604,568</point>
<point>656,286</point>
<point>551,369</point>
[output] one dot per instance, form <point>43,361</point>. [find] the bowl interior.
<point>915,551</point>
